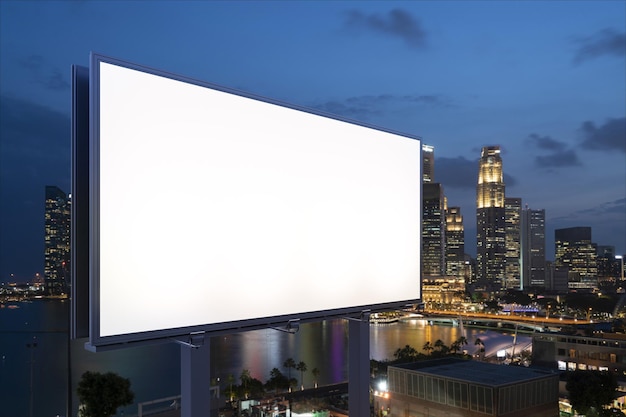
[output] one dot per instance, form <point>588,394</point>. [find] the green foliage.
<point>406,354</point>
<point>277,382</point>
<point>102,394</point>
<point>590,390</point>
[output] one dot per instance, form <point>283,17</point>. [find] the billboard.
<point>217,211</point>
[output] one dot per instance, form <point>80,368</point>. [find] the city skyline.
<point>542,80</point>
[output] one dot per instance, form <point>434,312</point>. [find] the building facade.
<point>455,243</point>
<point>490,219</point>
<point>533,248</point>
<point>513,219</point>
<point>452,387</point>
<point>428,163</point>
<point>56,241</point>
<point>433,230</point>
<point>575,252</point>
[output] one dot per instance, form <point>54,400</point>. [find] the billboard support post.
<point>195,376</point>
<point>359,365</point>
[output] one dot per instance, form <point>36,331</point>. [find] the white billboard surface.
<point>215,207</point>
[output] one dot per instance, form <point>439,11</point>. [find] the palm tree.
<point>301,366</point>
<point>316,373</point>
<point>289,363</point>
<point>462,342</point>
<point>441,348</point>
<point>480,343</point>
<point>231,380</point>
<point>428,347</point>
<point>245,378</point>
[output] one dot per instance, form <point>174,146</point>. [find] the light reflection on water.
<point>154,371</point>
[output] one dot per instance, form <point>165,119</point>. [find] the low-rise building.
<point>599,352</point>
<point>453,387</point>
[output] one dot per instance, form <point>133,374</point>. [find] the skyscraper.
<point>428,163</point>
<point>512,218</point>
<point>533,241</point>
<point>575,251</point>
<point>433,229</point>
<point>490,219</point>
<point>56,241</point>
<point>455,243</point>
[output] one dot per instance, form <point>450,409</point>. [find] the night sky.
<point>545,80</point>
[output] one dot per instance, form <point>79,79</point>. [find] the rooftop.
<point>477,372</point>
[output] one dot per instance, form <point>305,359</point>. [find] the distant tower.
<point>513,214</point>
<point>56,241</point>
<point>433,229</point>
<point>428,163</point>
<point>490,219</point>
<point>575,252</point>
<point>455,243</point>
<point>533,239</point>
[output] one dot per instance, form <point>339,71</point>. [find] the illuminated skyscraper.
<point>513,214</point>
<point>490,219</point>
<point>428,163</point>
<point>455,243</point>
<point>433,230</point>
<point>575,251</point>
<point>533,248</point>
<point>56,241</point>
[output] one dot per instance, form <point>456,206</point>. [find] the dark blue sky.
<point>542,79</point>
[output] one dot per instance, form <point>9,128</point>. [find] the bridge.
<point>490,323</point>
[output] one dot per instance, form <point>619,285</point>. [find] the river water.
<point>37,363</point>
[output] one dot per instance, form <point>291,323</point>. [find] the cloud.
<point>611,136</point>
<point>367,106</point>
<point>398,23</point>
<point>606,42</point>
<point>44,74</point>
<point>608,210</point>
<point>546,142</point>
<point>559,155</point>
<point>566,158</point>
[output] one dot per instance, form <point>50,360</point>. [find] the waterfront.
<point>154,370</point>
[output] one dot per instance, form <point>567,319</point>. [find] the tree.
<point>428,347</point>
<point>590,390</point>
<point>231,381</point>
<point>479,342</point>
<point>301,366</point>
<point>245,380</point>
<point>440,348</point>
<point>289,364</point>
<point>277,381</point>
<point>102,394</point>
<point>406,354</point>
<point>316,373</point>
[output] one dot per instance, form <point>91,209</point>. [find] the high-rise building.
<point>433,229</point>
<point>533,248</point>
<point>512,218</point>
<point>455,243</point>
<point>490,219</point>
<point>56,241</point>
<point>428,163</point>
<point>575,252</point>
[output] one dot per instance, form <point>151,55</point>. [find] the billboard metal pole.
<point>195,376</point>
<point>359,366</point>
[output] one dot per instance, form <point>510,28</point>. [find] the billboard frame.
<point>98,342</point>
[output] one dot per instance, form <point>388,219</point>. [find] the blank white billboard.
<point>213,210</point>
